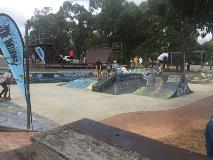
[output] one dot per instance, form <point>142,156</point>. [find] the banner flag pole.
<point>27,80</point>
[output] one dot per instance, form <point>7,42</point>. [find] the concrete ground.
<point>64,105</point>
<point>14,140</point>
<point>198,68</point>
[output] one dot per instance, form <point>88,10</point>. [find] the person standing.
<point>209,139</point>
<point>98,66</point>
<point>114,66</point>
<point>85,59</point>
<point>72,55</point>
<point>140,62</point>
<point>131,63</point>
<point>135,60</point>
<point>108,67</point>
<point>5,78</point>
<point>150,62</point>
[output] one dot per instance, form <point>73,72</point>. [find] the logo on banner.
<point>40,53</point>
<point>8,42</point>
<point>12,47</point>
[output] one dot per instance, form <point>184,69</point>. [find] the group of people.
<point>161,60</point>
<point>111,68</point>
<point>120,69</point>
<point>138,62</point>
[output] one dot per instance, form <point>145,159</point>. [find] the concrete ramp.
<point>84,83</point>
<point>125,87</point>
<point>165,86</point>
<point>120,84</point>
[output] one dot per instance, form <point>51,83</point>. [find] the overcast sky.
<point>21,10</point>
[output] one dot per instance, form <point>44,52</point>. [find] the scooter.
<point>8,98</point>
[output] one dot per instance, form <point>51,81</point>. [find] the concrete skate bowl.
<point>58,77</point>
<point>82,83</point>
<point>120,84</point>
<point>165,86</point>
<point>111,84</point>
<point>162,85</point>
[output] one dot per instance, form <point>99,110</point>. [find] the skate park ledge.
<point>87,139</point>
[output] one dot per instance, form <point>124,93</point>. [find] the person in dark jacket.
<point>98,67</point>
<point>209,139</point>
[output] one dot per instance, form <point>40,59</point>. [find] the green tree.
<point>153,26</point>
<point>46,22</point>
<point>79,22</point>
<point>198,11</point>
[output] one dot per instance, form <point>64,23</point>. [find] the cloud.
<point>21,10</point>
<point>201,40</point>
<point>19,17</point>
<point>137,1</point>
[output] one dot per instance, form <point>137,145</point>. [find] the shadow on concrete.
<point>14,117</point>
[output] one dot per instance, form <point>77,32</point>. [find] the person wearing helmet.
<point>114,66</point>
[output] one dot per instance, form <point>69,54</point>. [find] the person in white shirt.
<point>5,78</point>
<point>114,66</point>
<point>140,61</point>
<point>163,58</point>
<point>124,70</point>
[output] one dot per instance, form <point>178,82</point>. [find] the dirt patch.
<point>183,127</point>
<point>14,140</point>
<point>192,139</point>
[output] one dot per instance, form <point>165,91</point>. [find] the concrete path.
<point>14,116</point>
<point>64,105</point>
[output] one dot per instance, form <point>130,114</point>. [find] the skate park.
<point>71,98</point>
<point>66,96</point>
<point>69,101</point>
